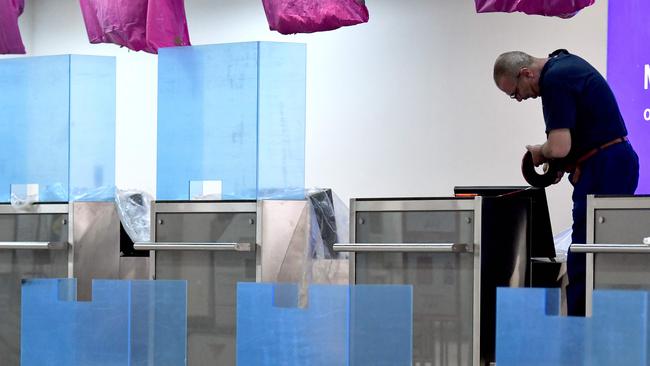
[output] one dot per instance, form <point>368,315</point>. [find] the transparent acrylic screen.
<point>92,128</point>
<point>341,325</point>
<point>34,109</point>
<point>528,319</point>
<point>282,98</point>
<point>234,115</point>
<point>126,323</point>
<point>59,127</point>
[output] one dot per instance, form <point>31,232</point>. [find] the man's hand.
<point>536,151</point>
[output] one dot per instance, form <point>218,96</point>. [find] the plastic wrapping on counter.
<point>562,243</point>
<point>308,16</point>
<point>134,210</point>
<point>140,25</point>
<point>10,39</point>
<point>98,194</point>
<point>25,195</point>
<point>559,8</point>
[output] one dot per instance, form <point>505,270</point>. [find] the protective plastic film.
<point>230,116</point>
<point>58,124</point>
<point>341,325</point>
<point>127,323</point>
<point>527,319</point>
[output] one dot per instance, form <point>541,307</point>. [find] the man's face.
<point>521,87</point>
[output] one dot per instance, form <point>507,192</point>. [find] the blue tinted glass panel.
<point>381,325</point>
<point>92,128</point>
<point>235,114</point>
<point>271,335</point>
<point>341,325</point>
<point>34,99</point>
<point>207,119</point>
<point>59,127</point>
<point>158,323</point>
<point>126,323</point>
<point>282,83</point>
<point>527,319</point>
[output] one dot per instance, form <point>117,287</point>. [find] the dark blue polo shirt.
<point>575,96</point>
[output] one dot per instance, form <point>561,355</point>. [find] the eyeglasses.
<point>516,92</point>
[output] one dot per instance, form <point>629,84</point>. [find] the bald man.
<point>584,128</point>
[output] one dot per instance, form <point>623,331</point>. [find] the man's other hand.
<point>536,151</point>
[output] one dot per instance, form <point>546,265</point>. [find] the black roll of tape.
<point>552,175</point>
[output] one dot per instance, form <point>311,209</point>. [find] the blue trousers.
<point>613,170</point>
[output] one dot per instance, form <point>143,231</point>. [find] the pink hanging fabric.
<point>308,16</point>
<point>10,40</point>
<point>559,8</point>
<point>140,25</point>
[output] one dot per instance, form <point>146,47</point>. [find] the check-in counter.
<point>32,245</point>
<point>59,240</point>
<point>211,244</point>
<point>618,244</point>
<point>216,244</point>
<point>455,252</point>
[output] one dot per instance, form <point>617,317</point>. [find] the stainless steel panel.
<point>415,227</point>
<point>96,243</point>
<point>406,204</point>
<point>621,225</point>
<point>443,283</point>
<point>476,303</point>
<point>134,268</point>
<point>205,206</point>
<point>622,271</point>
<point>283,221</point>
<point>617,224</point>
<point>443,291</point>
<point>626,202</point>
<point>212,277</point>
<point>286,227</point>
<point>205,227</point>
<point>617,220</point>
<point>212,287</point>
<point>38,208</point>
<point>16,265</point>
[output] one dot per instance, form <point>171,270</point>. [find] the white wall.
<point>402,106</point>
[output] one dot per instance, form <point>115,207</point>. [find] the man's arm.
<point>557,146</point>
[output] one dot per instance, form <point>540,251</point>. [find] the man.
<point>584,128</point>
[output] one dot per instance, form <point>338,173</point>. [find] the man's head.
<point>517,74</point>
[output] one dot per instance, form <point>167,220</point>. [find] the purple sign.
<point>628,73</point>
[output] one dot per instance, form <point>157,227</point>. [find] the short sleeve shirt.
<point>575,96</point>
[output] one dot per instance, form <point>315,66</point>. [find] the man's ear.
<point>526,72</point>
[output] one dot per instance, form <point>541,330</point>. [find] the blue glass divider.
<point>341,325</point>
<point>58,124</point>
<point>234,114</point>
<point>127,323</point>
<point>281,126</point>
<point>381,325</point>
<point>531,332</point>
<point>92,128</point>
